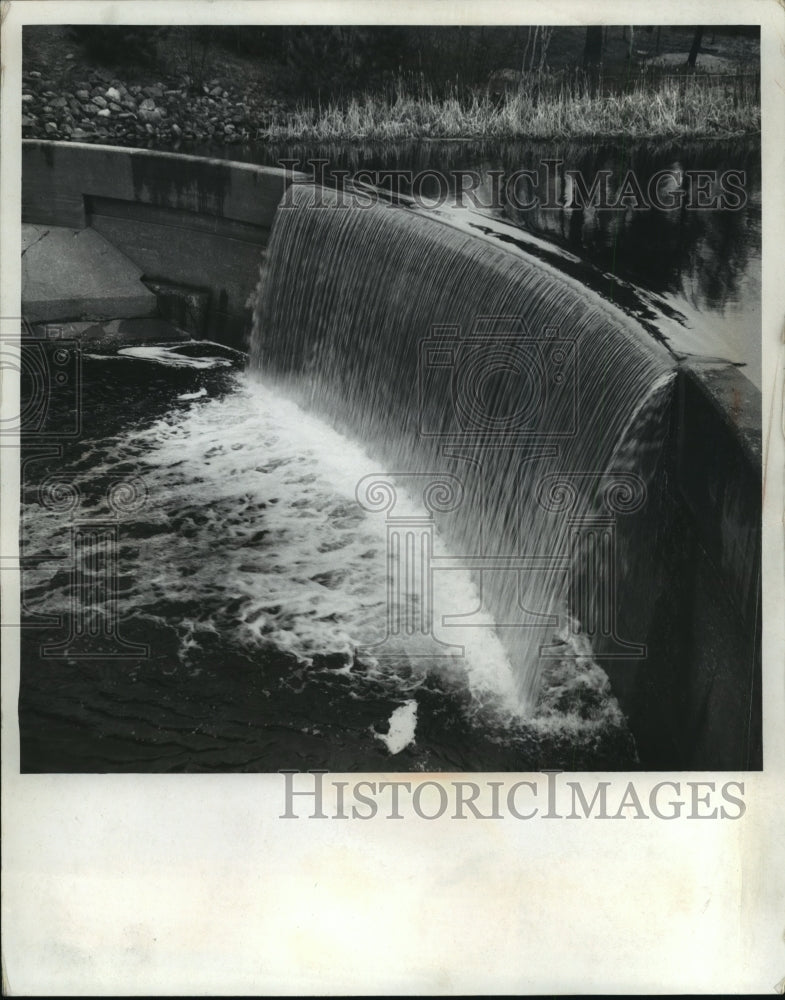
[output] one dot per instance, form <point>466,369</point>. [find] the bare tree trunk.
<point>697,38</point>
<point>526,52</point>
<point>534,47</point>
<point>545,41</point>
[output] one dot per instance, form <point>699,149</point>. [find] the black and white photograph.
<point>392,400</point>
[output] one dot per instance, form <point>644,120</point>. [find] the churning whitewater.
<point>249,539</point>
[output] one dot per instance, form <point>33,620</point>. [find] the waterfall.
<point>448,355</point>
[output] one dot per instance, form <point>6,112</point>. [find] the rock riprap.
<point>103,109</point>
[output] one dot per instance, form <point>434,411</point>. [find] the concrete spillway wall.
<point>186,221</point>
<point>692,588</point>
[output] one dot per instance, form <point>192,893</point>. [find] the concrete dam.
<point>520,439</point>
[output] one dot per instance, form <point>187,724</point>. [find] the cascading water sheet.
<point>452,358</point>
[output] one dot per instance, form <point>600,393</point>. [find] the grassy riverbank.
<point>148,89</point>
<point>695,107</point>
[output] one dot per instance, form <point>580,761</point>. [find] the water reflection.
<point>695,247</point>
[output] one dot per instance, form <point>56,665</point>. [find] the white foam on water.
<point>403,723</point>
<point>169,354</point>
<point>252,527</point>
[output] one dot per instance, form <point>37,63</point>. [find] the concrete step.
<point>112,333</point>
<point>75,274</point>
